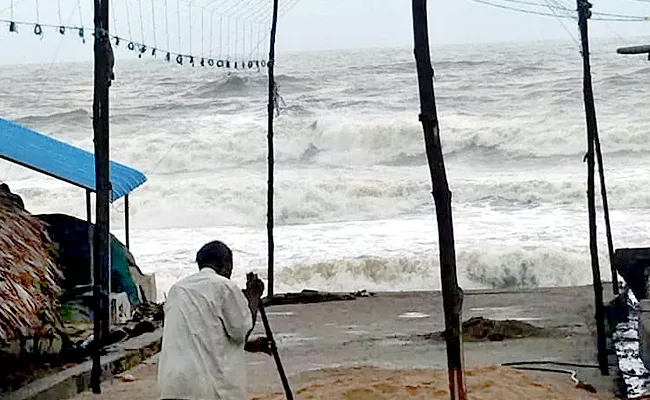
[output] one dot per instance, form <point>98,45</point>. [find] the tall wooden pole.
<point>101,270</point>
<point>451,293</point>
<point>271,158</point>
<point>584,12</point>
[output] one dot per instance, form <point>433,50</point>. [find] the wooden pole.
<point>608,226</point>
<point>451,293</point>
<point>127,224</point>
<point>645,49</point>
<point>276,354</point>
<point>102,79</point>
<point>271,157</point>
<point>584,12</point>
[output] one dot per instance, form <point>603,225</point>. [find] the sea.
<point>353,192</point>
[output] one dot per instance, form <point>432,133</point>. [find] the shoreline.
<point>376,332</point>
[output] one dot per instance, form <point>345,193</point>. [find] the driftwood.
<point>312,296</point>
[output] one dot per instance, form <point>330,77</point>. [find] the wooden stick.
<point>451,293</point>
<point>592,132</point>
<point>608,226</point>
<point>271,157</point>
<point>276,354</point>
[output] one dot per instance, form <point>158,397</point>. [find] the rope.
<point>58,4</point>
<point>128,18</point>
<point>561,22</point>
<point>81,22</point>
<point>190,23</point>
<point>141,20</point>
<point>114,16</point>
<point>597,16</point>
<point>237,35</point>
<point>178,15</point>
<point>167,24</point>
<point>153,20</point>
<point>211,31</point>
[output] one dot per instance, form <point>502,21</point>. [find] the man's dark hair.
<point>215,255</point>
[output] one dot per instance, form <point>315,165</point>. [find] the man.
<point>208,321</point>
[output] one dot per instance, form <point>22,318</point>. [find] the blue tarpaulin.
<point>60,160</point>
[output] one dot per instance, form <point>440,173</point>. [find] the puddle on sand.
<point>413,315</point>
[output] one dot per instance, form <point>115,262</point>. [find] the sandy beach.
<point>379,347</point>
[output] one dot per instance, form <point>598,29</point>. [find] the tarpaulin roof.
<point>60,160</point>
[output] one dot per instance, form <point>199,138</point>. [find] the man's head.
<point>217,256</point>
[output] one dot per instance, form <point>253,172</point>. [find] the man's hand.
<point>259,345</point>
<point>254,287</point>
<point>253,293</point>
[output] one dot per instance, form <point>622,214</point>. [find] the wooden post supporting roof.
<point>101,258</point>
<point>451,293</point>
<point>584,12</point>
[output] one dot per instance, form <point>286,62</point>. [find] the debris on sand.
<point>479,329</point>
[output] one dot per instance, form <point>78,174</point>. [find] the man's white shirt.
<point>207,319</point>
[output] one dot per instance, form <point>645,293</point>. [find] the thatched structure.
<point>28,277</point>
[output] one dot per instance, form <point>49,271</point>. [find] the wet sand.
<point>387,331</point>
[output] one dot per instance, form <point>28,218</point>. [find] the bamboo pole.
<point>608,225</point>
<point>271,150</point>
<point>451,293</point>
<point>101,270</point>
<point>584,13</point>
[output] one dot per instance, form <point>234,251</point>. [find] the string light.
<point>249,18</point>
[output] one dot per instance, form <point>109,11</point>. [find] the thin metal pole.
<point>452,295</point>
<point>271,157</point>
<point>584,12</point>
<point>276,355</point>
<point>102,79</point>
<point>126,221</point>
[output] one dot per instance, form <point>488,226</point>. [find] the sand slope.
<point>368,383</point>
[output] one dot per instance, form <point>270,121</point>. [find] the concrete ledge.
<point>72,381</point>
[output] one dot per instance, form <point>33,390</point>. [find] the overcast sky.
<point>332,24</point>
